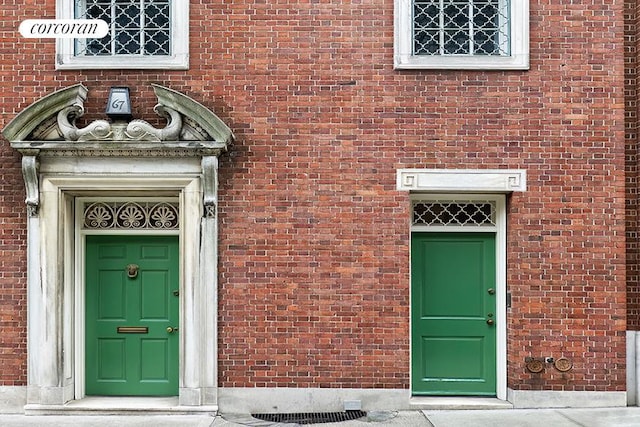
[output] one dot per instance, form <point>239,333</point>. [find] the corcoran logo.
<point>64,28</point>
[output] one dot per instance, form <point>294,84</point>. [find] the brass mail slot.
<point>133,330</point>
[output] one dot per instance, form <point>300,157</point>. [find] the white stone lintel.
<point>462,180</point>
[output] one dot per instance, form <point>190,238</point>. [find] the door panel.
<point>157,356</point>
<point>128,348</point>
<point>453,346</point>
<point>111,359</point>
<point>155,295</point>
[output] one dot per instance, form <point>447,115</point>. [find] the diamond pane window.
<point>462,34</point>
<point>143,34</point>
<point>461,27</point>
<point>454,213</point>
<point>137,27</point>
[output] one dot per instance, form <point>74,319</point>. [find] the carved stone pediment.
<point>47,128</point>
<point>53,119</point>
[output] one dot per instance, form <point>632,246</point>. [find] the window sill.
<point>177,62</point>
<point>411,62</point>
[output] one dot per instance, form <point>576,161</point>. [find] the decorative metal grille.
<point>461,27</point>
<point>131,216</point>
<point>137,27</point>
<point>454,213</point>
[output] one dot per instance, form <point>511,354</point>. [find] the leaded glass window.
<point>137,27</point>
<point>461,34</point>
<point>461,27</point>
<point>458,213</point>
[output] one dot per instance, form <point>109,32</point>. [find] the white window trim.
<point>179,60</point>
<point>403,42</point>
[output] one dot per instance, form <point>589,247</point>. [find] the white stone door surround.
<point>62,164</point>
<point>473,185</point>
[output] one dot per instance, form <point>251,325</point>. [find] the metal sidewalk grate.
<point>311,417</point>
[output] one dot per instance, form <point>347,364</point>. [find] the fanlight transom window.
<point>131,216</point>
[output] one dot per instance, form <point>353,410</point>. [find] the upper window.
<point>142,34</point>
<point>462,34</point>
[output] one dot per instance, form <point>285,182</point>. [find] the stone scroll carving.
<point>30,175</point>
<point>95,131</point>
<point>210,185</point>
<point>142,131</point>
<point>102,130</point>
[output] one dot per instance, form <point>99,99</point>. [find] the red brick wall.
<point>314,244</point>
<point>631,136</point>
<point>13,300</point>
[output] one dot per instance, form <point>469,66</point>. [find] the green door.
<point>131,317</point>
<point>453,314</point>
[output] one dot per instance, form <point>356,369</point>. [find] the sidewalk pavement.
<point>564,417</point>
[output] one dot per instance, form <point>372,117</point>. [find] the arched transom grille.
<point>131,216</point>
<point>458,213</point>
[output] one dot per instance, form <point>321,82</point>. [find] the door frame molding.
<point>500,230</point>
<point>55,276</point>
<point>79,273</point>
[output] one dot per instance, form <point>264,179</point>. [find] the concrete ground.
<point>600,417</point>
<point>592,417</point>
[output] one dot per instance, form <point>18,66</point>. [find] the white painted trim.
<point>501,297</point>
<point>566,399</point>
<point>403,44</point>
<point>79,282</point>
<point>500,230</point>
<point>462,180</point>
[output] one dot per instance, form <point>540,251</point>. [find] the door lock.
<point>171,330</point>
<point>491,291</point>
<point>490,320</point>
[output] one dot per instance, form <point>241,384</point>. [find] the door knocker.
<point>132,271</point>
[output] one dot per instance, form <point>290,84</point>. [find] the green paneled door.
<point>131,315</point>
<point>453,314</point>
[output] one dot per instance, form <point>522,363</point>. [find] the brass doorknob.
<point>171,330</point>
<point>490,322</point>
